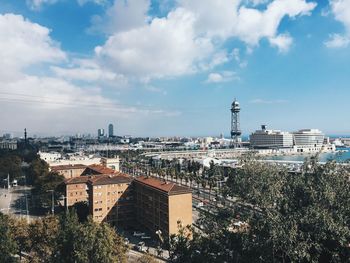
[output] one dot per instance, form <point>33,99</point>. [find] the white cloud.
<point>254,24</point>
<point>190,38</point>
<point>166,47</point>
<point>341,11</point>
<point>337,41</point>
<point>220,77</point>
<point>37,4</point>
<point>23,43</point>
<point>121,16</point>
<point>282,42</point>
<point>68,99</point>
<point>90,72</point>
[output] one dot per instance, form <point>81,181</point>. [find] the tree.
<point>10,165</point>
<point>20,231</point>
<point>82,209</point>
<point>88,242</point>
<point>43,234</point>
<point>280,217</point>
<point>44,184</point>
<point>8,246</point>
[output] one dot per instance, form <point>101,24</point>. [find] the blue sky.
<point>159,68</point>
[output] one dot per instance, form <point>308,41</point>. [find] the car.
<point>141,246</point>
<point>126,241</point>
<point>200,204</point>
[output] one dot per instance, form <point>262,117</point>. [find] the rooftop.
<point>77,180</point>
<point>100,169</point>
<point>109,179</point>
<point>163,186</point>
<point>68,166</point>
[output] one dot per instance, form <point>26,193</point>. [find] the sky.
<point>173,67</point>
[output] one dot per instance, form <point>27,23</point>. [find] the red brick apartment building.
<point>122,200</point>
<point>160,205</point>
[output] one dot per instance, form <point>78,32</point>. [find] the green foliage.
<point>38,168</point>
<point>82,209</point>
<point>44,184</point>
<point>43,234</point>
<point>64,240</point>
<point>10,165</point>
<point>286,217</point>
<point>8,246</point>
<point>88,242</point>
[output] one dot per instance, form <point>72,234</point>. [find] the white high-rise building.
<point>309,137</point>
<point>101,133</point>
<point>271,139</point>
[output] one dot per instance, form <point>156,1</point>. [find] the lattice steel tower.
<point>235,124</point>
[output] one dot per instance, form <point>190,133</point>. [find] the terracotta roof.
<point>109,179</point>
<point>77,180</point>
<point>100,169</point>
<point>167,187</point>
<point>68,166</point>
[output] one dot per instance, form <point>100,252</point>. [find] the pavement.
<point>13,201</point>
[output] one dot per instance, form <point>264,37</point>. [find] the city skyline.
<point>173,65</point>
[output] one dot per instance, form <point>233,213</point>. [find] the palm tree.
<point>211,183</point>
<point>181,176</point>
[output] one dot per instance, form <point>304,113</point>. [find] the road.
<point>13,201</point>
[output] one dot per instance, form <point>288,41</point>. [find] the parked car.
<point>126,241</point>
<point>141,247</point>
<point>200,204</point>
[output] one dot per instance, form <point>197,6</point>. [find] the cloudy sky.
<point>173,67</point>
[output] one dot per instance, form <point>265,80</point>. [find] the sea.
<point>341,155</point>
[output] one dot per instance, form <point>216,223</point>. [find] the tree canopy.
<point>279,217</point>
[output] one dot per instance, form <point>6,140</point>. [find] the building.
<point>112,163</point>
<point>309,140</point>
<point>70,170</point>
<point>267,139</point>
<point>308,137</point>
<point>111,199</point>
<point>110,130</point>
<point>100,133</point>
<point>122,200</point>
<point>8,144</point>
<point>160,205</point>
<point>97,169</point>
<point>50,157</point>
<point>76,190</point>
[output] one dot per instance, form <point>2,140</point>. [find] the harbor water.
<point>342,155</point>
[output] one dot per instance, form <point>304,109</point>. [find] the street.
<point>13,201</point>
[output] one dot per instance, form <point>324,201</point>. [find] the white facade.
<point>309,138</point>
<point>112,163</point>
<point>50,156</point>
<point>271,139</point>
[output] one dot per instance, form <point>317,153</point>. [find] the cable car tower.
<point>235,124</point>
